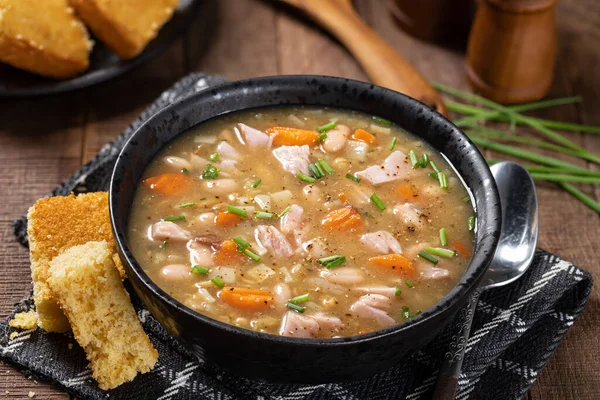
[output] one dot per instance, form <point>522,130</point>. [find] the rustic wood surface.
<point>44,140</point>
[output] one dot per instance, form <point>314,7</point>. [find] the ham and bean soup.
<point>302,222</point>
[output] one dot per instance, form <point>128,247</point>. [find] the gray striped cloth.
<point>515,330</point>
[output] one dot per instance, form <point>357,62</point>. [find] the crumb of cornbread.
<point>24,320</point>
<point>89,289</point>
<point>56,224</point>
<point>13,335</point>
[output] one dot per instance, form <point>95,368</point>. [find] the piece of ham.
<point>382,242</point>
<point>292,220</point>
<point>336,139</point>
<point>435,273</point>
<point>307,326</point>
<point>255,138</point>
<point>273,240</point>
<point>293,159</point>
<point>343,275</point>
<point>394,167</point>
<point>226,150</point>
<point>200,253</point>
<point>372,306</point>
<point>167,230</point>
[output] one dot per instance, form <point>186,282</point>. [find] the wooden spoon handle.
<point>382,63</point>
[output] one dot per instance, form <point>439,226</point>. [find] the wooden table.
<point>42,141</point>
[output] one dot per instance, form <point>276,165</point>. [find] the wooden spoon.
<point>382,63</point>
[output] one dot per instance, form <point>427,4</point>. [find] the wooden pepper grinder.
<point>512,49</point>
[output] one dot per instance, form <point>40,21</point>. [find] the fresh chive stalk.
<point>252,255</point>
<point>433,175</point>
<point>443,237</point>
<point>305,178</point>
<point>444,253</point>
<point>184,170</point>
<point>393,144</point>
<point>196,269</point>
<point>413,159</point>
<point>235,210</point>
<point>428,257</point>
<point>434,166</point>
<point>264,215</point>
<point>353,178</point>
<point>240,241</point>
<point>176,218</point>
<point>397,291</point>
<point>303,298</point>
<point>443,180</point>
<point>210,172</point>
<point>332,261</point>
<point>315,171</point>
<point>255,184</point>
<point>471,223</point>
<point>190,204</point>
<point>295,307</point>
<point>382,121</point>
<point>377,201</point>
<point>405,312</point>
<point>164,245</point>
<point>328,168</point>
<point>321,170</point>
<point>407,283</point>
<point>218,281</point>
<point>214,157</point>
<point>424,160</point>
<point>285,211</point>
<point>327,127</point>
<point>465,199</point>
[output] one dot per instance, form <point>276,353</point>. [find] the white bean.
<point>207,218</point>
<point>312,193</point>
<point>336,139</point>
<point>178,162</point>
<point>282,294</point>
<point>175,272</point>
<point>220,186</point>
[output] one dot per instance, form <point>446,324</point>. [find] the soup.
<point>303,222</point>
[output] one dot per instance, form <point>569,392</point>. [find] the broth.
<point>261,220</point>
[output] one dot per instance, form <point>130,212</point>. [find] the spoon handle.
<point>447,382</point>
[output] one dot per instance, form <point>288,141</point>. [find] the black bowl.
<point>285,359</point>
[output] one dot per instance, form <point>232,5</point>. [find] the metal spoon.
<point>513,256</point>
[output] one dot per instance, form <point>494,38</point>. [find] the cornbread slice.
<point>126,27</point>
<point>24,320</point>
<point>43,37</point>
<point>55,224</point>
<point>89,289</point>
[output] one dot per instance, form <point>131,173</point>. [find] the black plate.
<point>104,64</point>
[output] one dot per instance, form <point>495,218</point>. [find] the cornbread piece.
<point>126,27</point>
<point>24,320</point>
<point>55,224</point>
<point>43,37</point>
<point>89,289</point>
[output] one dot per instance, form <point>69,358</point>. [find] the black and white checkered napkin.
<point>515,330</point>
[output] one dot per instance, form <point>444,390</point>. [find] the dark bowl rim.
<point>456,295</point>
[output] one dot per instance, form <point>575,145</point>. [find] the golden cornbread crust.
<point>89,289</point>
<point>56,224</point>
<point>121,25</point>
<point>43,37</point>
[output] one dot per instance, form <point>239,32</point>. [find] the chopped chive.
<point>353,178</point>
<point>196,269</point>
<point>397,291</point>
<point>241,242</point>
<point>424,161</point>
<point>322,137</point>
<point>287,209</point>
<point>443,180</point>
<point>428,257</point>
<point>314,171</point>
<point>264,215</point>
<point>443,237</point>
<point>214,157</point>
<point>419,312</point>
<point>252,255</point>
<point>321,170</point>
<point>413,159</point>
<point>335,263</point>
<point>471,223</point>
<point>299,299</point>
<point>218,281</point>
<point>405,312</point>
<point>433,175</point>
<point>328,168</point>
<point>184,205</point>
<point>295,307</point>
<point>377,201</point>
<point>210,172</point>
<point>305,178</point>
<point>174,219</point>
<point>164,245</point>
<point>382,121</point>
<point>255,184</point>
<point>436,251</point>
<point>394,141</point>
<point>466,199</point>
<point>327,259</point>
<point>184,170</point>
<point>327,127</point>
<point>235,210</point>
<point>410,285</point>
<point>434,166</point>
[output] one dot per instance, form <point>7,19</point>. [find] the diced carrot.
<point>226,219</point>
<point>406,193</point>
<point>343,219</point>
<point>171,184</point>
<point>246,299</point>
<point>292,137</point>
<point>462,250</point>
<point>393,263</point>
<point>363,136</point>
<point>227,253</point>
